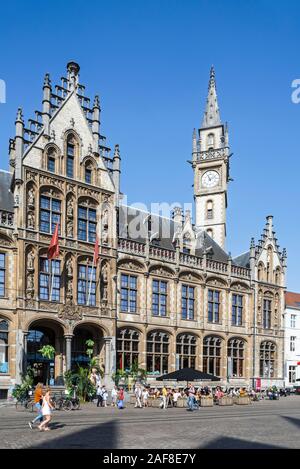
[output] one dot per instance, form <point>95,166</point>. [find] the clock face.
<point>210,179</point>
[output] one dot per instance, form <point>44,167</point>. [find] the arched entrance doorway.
<point>82,333</point>
<point>40,333</point>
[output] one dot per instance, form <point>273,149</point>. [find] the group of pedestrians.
<point>117,396</point>
<point>43,406</point>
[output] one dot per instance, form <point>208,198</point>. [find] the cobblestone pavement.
<point>264,424</point>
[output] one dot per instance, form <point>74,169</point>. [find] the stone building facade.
<point>164,294</point>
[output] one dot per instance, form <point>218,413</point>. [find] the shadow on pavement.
<point>103,436</point>
<point>236,443</point>
<point>292,420</point>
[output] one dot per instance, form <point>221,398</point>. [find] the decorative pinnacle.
<point>19,115</point>
<point>47,81</point>
<point>96,101</point>
<point>117,151</point>
<point>252,244</point>
<point>284,253</point>
<point>212,78</point>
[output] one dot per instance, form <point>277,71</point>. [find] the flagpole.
<point>90,287</point>
<point>52,280</point>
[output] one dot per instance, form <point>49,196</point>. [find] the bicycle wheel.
<point>67,405</point>
<point>76,404</point>
<point>20,405</point>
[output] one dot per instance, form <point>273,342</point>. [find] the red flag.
<point>53,249</point>
<point>96,251</point>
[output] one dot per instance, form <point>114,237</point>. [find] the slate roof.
<point>133,226</point>
<point>292,299</point>
<point>6,197</point>
<point>243,260</point>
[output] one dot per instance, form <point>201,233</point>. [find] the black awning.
<point>188,374</point>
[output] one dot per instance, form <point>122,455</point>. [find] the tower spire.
<point>211,116</point>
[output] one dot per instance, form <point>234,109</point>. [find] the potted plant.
<point>48,352</point>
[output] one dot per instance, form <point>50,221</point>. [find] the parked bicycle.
<point>25,403</point>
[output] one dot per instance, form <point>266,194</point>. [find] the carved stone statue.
<point>70,209</point>
<point>70,228</point>
<point>30,261</point>
<point>104,273</point>
<point>105,237</point>
<point>105,218</point>
<point>30,220</point>
<point>31,198</point>
<point>30,282</point>
<point>69,267</point>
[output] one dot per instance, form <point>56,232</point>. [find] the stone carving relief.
<point>70,312</point>
<point>30,275</point>
<point>69,280</point>
<point>31,220</point>
<point>31,197</point>
<point>104,282</point>
<point>130,266</point>
<point>70,215</point>
<point>215,283</point>
<point>161,271</point>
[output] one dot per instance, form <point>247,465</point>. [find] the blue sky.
<point>150,61</point>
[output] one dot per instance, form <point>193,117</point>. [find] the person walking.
<point>46,411</point>
<point>38,400</point>
<point>114,395</point>
<point>191,397</point>
<point>145,395</point>
<point>104,396</point>
<point>163,405</point>
<point>121,398</point>
<point>99,394</point>
<point>138,395</point>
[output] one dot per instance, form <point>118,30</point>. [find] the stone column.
<point>68,351</point>
<point>25,335</point>
<point>108,362</point>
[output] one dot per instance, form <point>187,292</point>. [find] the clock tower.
<point>210,162</point>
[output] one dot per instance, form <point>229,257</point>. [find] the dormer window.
<point>186,245</point>
<point>51,160</point>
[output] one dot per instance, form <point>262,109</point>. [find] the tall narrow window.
<point>237,310</point>
<point>157,352</point>
<point>127,349</point>
<point>86,287</point>
<point>50,214</point>
<point>49,284</point>
<point>235,351</point>
<point>3,346</point>
<point>213,306</point>
<point>186,350</point>
<point>210,233</point>
<point>293,320</point>
<point>267,314</point>
<point>292,374</point>
<point>292,343</point>
<point>209,210</point>
<point>187,302</point>
<point>186,245</point>
<point>212,355</point>
<point>267,359</point>
<point>51,164</point>
<point>128,293</point>
<point>210,141</point>
<point>159,298</point>
<point>70,158</point>
<point>2,274</point>
<point>87,223</point>
<point>88,174</point>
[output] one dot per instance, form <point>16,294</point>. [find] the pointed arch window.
<point>267,313</point>
<point>260,271</point>
<point>86,285</point>
<point>210,233</point>
<point>51,160</point>
<point>277,276</point>
<point>50,214</point>
<point>88,173</point>
<point>70,156</point>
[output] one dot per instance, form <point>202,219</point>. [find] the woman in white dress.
<point>46,411</point>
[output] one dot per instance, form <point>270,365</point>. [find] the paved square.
<point>264,424</point>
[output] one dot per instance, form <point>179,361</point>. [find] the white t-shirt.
<point>145,395</point>
<point>176,395</point>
